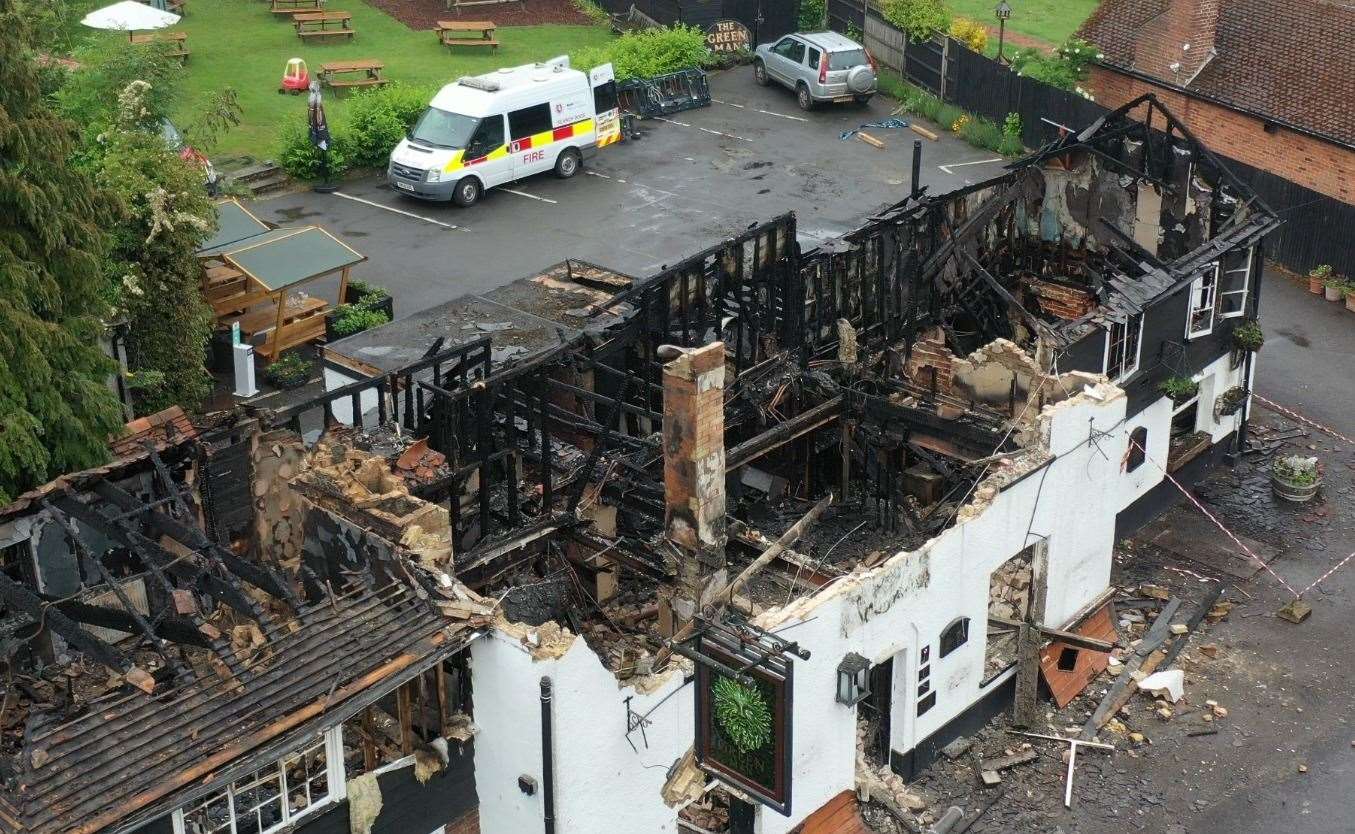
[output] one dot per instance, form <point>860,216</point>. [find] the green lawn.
<point>1051,21</point>
<point>239,43</point>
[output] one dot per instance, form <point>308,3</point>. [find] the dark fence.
<point>765,19</point>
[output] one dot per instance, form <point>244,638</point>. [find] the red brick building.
<point>1270,84</point>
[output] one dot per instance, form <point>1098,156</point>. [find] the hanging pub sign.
<point>743,716</point>
<point>728,36</point>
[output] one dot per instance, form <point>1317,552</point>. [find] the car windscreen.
<point>443,129</point>
<point>846,59</point>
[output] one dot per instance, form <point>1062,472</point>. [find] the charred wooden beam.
<point>21,599</point>
<point>779,435</point>
<point>171,629</point>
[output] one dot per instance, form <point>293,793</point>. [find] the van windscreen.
<point>443,129</point>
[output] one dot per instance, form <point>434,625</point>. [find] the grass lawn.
<point>239,43</point>
<point>1049,20</point>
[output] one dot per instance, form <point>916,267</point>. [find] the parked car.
<point>819,67</point>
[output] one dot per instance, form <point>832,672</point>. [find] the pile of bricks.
<point>929,355</point>
<point>1063,301</point>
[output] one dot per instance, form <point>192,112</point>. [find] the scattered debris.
<point>1295,611</point>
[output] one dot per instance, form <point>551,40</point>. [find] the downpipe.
<point>547,757</point>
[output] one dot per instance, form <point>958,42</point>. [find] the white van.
<point>487,130</point>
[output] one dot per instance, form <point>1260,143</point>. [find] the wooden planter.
<point>1350,301</point>
<point>1290,491</point>
<point>386,304</point>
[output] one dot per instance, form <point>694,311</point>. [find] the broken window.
<point>1123,343</point>
<point>954,636</point>
<point>1008,602</point>
<point>272,797</point>
<point>1138,446</point>
<point>1233,285</point>
<point>1201,321</point>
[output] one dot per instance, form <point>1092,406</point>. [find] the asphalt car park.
<point>692,179</point>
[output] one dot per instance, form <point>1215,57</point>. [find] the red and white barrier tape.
<point>1294,414</point>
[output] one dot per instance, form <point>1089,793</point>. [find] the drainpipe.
<point>547,757</point>
<point>917,167</point>
<point>1258,266</point>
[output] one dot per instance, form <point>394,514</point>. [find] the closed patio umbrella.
<point>319,134</point>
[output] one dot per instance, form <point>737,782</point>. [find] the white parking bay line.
<point>530,196</point>
<point>604,176</point>
<point>759,110</point>
<point>703,129</point>
<point>393,210</point>
<point>947,168</point>
<point>730,103</point>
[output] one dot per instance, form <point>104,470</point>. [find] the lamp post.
<point>1003,11</point>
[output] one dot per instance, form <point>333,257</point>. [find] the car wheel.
<point>567,164</point>
<point>760,73</point>
<point>802,96</point>
<point>467,192</point>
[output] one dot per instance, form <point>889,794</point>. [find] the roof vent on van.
<point>475,82</point>
<point>541,75</point>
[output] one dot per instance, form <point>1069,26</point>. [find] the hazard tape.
<point>1294,414</point>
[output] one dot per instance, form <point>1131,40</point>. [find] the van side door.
<point>530,136</point>
<point>487,153</point>
<point>606,108</point>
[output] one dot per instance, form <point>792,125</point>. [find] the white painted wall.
<point>602,785</point>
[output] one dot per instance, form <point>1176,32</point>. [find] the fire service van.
<point>488,130</point>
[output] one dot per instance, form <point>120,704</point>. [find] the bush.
<point>969,32</point>
<point>1179,388</point>
<point>1011,144</point>
<point>365,292</point>
<point>1065,69</point>
<point>1248,336</point>
<point>947,115</point>
<point>355,318</point>
<point>378,119</point>
<point>593,12</point>
<point>812,13</point>
<point>982,133</point>
<point>302,160</point>
<point>919,18</point>
<point>289,371</point>
<point>648,53</point>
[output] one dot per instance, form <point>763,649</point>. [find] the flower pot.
<point>1333,293</point>
<point>1315,285</point>
<point>1291,491</point>
<point>1350,301</point>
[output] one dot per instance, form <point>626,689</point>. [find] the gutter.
<point>1212,99</point>
<point>547,758</point>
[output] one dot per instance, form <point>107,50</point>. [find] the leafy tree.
<point>919,18</point>
<point>56,409</point>
<point>167,217</point>
<point>89,97</point>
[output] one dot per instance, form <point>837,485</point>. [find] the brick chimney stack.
<point>694,477</point>
<point>1176,45</point>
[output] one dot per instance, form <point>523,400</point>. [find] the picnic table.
<point>323,24</point>
<point>291,7</point>
<point>177,42</point>
<point>467,33</point>
<point>302,320</point>
<point>366,70</point>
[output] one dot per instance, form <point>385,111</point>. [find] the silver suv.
<point>821,66</point>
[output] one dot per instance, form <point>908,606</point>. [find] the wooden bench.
<point>291,7</point>
<point>302,321</point>
<point>323,24</point>
<point>368,68</point>
<point>467,33</point>
<point>176,42</point>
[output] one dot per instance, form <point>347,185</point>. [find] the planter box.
<point>385,304</point>
<point>1350,301</point>
<point>1290,491</point>
<point>1333,293</point>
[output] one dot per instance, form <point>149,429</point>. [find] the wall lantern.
<point>853,681</point>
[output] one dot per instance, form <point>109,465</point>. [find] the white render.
<point>603,786</point>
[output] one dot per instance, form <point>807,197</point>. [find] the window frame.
<point>784,46</point>
<point>1126,370</point>
<point>473,150</point>
<point>1203,299</point>
<point>816,52</point>
<point>1223,293</point>
<point>331,743</point>
<point>962,623</point>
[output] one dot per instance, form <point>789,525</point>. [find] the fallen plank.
<point>1005,762</point>
<point>1146,658</point>
<point>870,140</point>
<point>924,132</point>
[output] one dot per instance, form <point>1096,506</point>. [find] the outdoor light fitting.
<point>853,682</point>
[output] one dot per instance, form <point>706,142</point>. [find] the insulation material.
<point>364,803</point>
<point>430,760</point>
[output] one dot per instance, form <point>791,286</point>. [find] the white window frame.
<point>335,781</point>
<point>1203,299</point>
<point>1126,369</point>
<point>1225,294</point>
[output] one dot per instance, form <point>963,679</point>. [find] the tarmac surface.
<point>692,180</point>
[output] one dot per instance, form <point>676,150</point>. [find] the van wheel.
<point>803,98</point>
<point>467,192</point>
<point>567,164</point>
<point>760,73</point>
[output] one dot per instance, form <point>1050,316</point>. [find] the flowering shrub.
<point>969,32</point>
<point>919,18</point>
<point>1065,69</point>
<point>958,125</point>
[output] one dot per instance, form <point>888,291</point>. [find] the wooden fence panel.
<point>886,43</point>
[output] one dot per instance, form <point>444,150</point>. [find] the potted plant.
<point>1179,388</point>
<point>1248,336</point>
<point>1317,278</point>
<point>353,318</point>
<point>1334,288</point>
<point>1295,478</point>
<point>1350,296</point>
<point>1230,402</point>
<point>373,295</point>
<point>291,370</point>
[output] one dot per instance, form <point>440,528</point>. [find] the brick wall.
<point>930,352</point>
<point>1312,163</point>
<point>1063,301</point>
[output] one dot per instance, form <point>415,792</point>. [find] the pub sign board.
<point>728,36</point>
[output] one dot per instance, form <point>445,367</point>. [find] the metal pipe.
<point>547,758</point>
